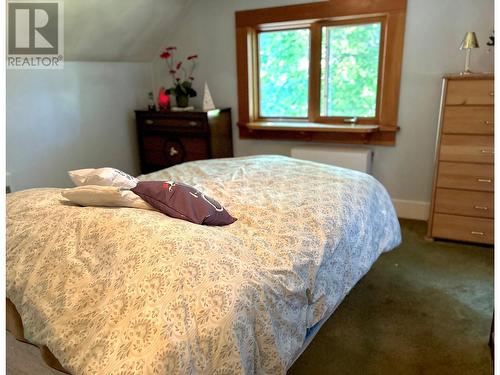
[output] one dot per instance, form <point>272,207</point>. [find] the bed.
<point>128,291</point>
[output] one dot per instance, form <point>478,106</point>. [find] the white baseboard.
<point>411,209</point>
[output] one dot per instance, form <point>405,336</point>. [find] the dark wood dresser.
<point>169,138</point>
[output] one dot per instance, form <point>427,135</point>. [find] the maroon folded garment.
<point>183,202</point>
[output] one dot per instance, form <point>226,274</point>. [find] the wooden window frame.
<point>380,129</point>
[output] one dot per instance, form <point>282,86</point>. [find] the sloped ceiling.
<point>119,30</point>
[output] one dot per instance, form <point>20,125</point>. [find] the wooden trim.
<point>391,13</point>
<point>430,220</point>
<point>353,20</point>
<point>242,35</point>
<point>311,127</point>
<point>340,120</point>
<point>254,74</point>
<point>277,119</point>
<point>316,11</point>
<point>392,63</point>
<point>315,73</point>
<point>381,88</point>
<point>383,137</point>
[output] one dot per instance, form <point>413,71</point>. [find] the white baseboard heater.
<point>359,159</point>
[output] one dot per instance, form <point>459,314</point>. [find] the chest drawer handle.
<point>477,233</point>
<point>193,123</point>
<point>489,123</point>
<point>484,180</point>
<point>484,208</point>
<point>487,151</point>
<point>150,122</point>
<point>492,93</point>
<point>173,151</point>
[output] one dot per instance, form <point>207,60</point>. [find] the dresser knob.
<point>477,233</point>
<point>150,122</point>
<point>193,123</point>
<point>489,123</point>
<point>492,93</point>
<point>487,151</point>
<point>487,180</point>
<point>481,208</point>
<point>173,151</point>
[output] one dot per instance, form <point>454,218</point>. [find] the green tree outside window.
<point>349,71</point>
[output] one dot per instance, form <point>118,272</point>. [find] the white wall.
<point>118,30</point>
<point>434,30</point>
<point>81,116</point>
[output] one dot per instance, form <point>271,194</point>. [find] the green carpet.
<point>424,308</point>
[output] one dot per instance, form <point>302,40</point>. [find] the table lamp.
<point>469,42</point>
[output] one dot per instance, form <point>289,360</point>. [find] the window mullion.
<point>314,73</point>
<point>327,73</point>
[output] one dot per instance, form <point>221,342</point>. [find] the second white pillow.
<point>105,196</point>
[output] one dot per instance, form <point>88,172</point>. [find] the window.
<point>349,70</point>
<point>319,69</point>
<point>284,73</point>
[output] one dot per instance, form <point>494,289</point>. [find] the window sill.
<point>312,126</point>
<point>312,131</point>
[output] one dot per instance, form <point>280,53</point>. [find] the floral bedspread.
<point>129,291</point>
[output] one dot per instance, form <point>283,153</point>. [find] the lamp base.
<point>467,63</point>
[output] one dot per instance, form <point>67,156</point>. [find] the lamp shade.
<point>470,41</point>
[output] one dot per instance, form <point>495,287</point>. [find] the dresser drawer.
<point>468,120</point>
<point>463,228</point>
<point>470,92</point>
<point>183,123</point>
<point>467,148</point>
<point>464,202</point>
<point>165,151</point>
<point>465,176</point>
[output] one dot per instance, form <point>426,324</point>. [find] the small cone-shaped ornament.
<point>208,102</point>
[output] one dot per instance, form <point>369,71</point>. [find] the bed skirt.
<point>15,327</point>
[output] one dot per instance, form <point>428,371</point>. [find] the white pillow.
<point>105,196</point>
<point>103,177</point>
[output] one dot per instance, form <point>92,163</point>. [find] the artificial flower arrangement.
<point>182,76</point>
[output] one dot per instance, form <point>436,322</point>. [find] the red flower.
<point>165,55</point>
<point>179,64</point>
<point>192,57</point>
<point>170,48</point>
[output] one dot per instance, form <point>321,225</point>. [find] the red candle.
<point>163,100</point>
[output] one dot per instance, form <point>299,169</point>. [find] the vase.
<point>182,101</point>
